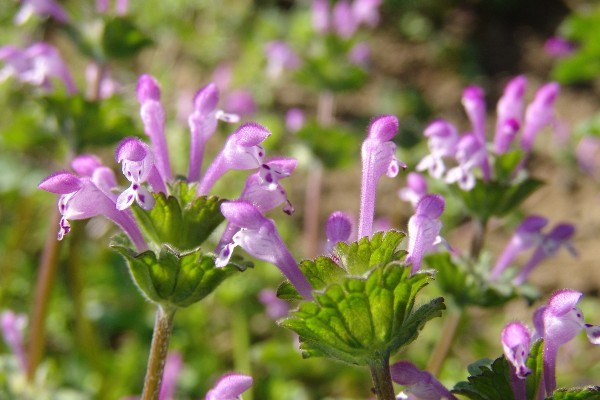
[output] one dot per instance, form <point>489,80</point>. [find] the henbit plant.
<point>165,226</point>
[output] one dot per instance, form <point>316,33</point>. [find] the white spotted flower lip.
<point>137,163</point>
<point>241,151</point>
<point>562,321</point>
<point>516,342</point>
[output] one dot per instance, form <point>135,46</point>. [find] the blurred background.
<point>315,85</point>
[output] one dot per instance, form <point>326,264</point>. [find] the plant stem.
<point>311,209</point>
<point>163,327</point>
<point>442,348</point>
<point>241,345</point>
<point>46,277</point>
<point>382,379</point>
<point>86,337</point>
<point>479,229</point>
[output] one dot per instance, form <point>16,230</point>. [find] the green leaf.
<point>333,73</point>
<point>334,147</point>
<point>358,319</point>
<point>359,257</point>
<point>506,164</point>
<point>182,220</point>
<point>89,123</point>
<point>536,364</point>
<point>466,285</point>
<point>493,198</point>
<point>123,39</point>
<point>488,381</point>
<point>173,278</point>
<point>319,272</point>
<point>586,393</point>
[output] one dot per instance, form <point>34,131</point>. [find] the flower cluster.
<point>91,188</point>
<point>470,152</point>
<point>529,235</point>
<point>37,65</point>
<point>557,323</point>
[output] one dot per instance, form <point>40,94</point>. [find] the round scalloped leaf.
<point>359,319</point>
<point>360,257</point>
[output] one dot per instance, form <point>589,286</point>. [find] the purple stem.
<point>517,384</point>
<point>213,173</point>
<point>367,201</point>
<point>197,144</point>
<point>550,353</point>
<point>126,222</point>
<point>288,266</point>
<point>535,259</point>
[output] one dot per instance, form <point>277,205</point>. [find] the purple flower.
<point>470,154</point>
<point>280,57</point>
<point>41,8</point>
<point>559,47</point>
<point>320,15</point>
<point>378,157</point>
<point>422,384</point>
<point>36,65</point>
<point>240,102</point>
<point>338,228</point>
<point>203,123</point>
<point>294,119</point>
<point>539,113</point>
<point>99,84</point>
<point>173,366</point>
<point>241,151</point>
<point>229,387</point>
<point>121,6</point>
<point>13,326</point>
<point>516,341</point>
<point>549,244</point>
<point>527,235</point>
<point>344,21</point>
<point>82,199</point>
<point>423,229</point>
<point>563,320</point>
<point>366,12</point>
<point>90,166</point>
<point>588,156</point>
<point>138,167</point>
<point>473,100</point>
<point>276,308</point>
<point>258,236</point>
<point>153,118</point>
<point>360,54</point>
<point>264,191</point>
<point>509,112</point>
<point>416,188</point>
<point>442,140</point>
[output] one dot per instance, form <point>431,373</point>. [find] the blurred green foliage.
<point>99,326</point>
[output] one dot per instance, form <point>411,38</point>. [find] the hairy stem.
<point>382,379</point>
<point>311,210</point>
<point>45,281</point>
<point>442,348</point>
<point>163,327</point>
